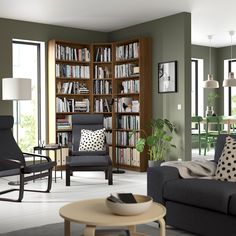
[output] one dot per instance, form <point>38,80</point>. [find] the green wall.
<point>12,29</point>
<point>171,38</point>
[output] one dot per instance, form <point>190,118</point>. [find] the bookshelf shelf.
<point>112,74</point>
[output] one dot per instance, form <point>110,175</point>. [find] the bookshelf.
<point>69,88</point>
<point>109,78</point>
<point>132,85</point>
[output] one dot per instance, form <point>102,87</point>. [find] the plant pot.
<point>152,163</point>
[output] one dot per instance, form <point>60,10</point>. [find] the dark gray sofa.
<point>201,206</point>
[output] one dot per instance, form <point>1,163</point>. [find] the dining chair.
<point>196,131</point>
<point>214,127</point>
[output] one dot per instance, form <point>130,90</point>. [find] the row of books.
<point>72,105</point>
<point>63,124</point>
<point>130,86</point>
<point>102,86</point>
<point>72,54</point>
<point>72,88</point>
<point>128,156</point>
<point>102,105</point>
<point>101,72</point>
<point>125,70</point>
<point>64,138</point>
<point>124,138</point>
<point>103,54</point>
<point>128,51</point>
<point>128,122</point>
<point>72,71</point>
<point>127,104</point>
<point>107,122</point>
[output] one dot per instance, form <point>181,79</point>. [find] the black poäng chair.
<point>13,161</point>
<point>87,160</point>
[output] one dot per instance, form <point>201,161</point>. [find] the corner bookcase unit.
<point>69,87</point>
<point>132,86</point>
<point>109,78</point>
<point>102,95</point>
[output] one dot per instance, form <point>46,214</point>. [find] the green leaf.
<point>140,144</point>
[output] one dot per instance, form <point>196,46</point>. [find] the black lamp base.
<point>118,171</point>
<point>15,183</point>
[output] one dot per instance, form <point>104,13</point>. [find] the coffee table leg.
<point>133,232</point>
<point>132,229</point>
<point>162,227</point>
<point>89,230</point>
<point>67,228</point>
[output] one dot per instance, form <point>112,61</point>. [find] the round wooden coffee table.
<point>94,213</point>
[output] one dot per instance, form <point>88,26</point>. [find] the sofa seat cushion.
<point>232,205</point>
<point>204,193</point>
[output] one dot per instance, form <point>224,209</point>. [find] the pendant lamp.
<point>210,82</point>
<point>231,81</point>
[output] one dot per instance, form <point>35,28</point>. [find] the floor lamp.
<point>16,89</point>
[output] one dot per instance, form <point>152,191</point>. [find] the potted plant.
<point>210,101</point>
<point>159,142</point>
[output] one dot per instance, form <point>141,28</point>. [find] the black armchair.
<point>13,162</point>
<point>87,160</point>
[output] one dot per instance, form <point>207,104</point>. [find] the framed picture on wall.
<point>167,77</point>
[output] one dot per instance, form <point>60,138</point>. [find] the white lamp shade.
<point>210,83</point>
<point>231,81</point>
<point>16,89</point>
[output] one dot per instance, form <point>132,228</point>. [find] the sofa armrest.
<point>157,177</point>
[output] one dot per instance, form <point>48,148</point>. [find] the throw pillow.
<point>92,140</point>
<point>226,167</point>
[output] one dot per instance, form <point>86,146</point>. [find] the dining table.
<point>227,120</point>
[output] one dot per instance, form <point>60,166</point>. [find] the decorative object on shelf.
<point>231,81</point>
<point>159,142</point>
<point>210,82</point>
<point>122,208</point>
<point>167,77</point>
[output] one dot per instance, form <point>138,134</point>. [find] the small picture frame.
<point>167,77</point>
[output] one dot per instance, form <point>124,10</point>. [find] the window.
<point>27,63</point>
<point>229,92</point>
<point>197,90</point>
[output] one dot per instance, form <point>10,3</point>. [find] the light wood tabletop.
<point>94,213</point>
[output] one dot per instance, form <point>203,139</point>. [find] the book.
<point>127,197</point>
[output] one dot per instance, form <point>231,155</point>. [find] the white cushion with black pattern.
<point>226,167</point>
<point>92,140</point>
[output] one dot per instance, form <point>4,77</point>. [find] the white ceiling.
<point>209,17</point>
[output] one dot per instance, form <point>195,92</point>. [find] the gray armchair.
<point>87,160</point>
<point>13,162</point>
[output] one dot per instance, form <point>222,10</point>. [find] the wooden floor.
<point>42,208</point>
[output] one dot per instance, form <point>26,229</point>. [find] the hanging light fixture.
<point>210,82</point>
<point>231,81</point>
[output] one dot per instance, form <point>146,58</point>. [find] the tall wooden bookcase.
<point>109,78</point>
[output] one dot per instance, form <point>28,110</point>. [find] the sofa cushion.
<point>232,205</point>
<point>226,167</point>
<point>205,193</point>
